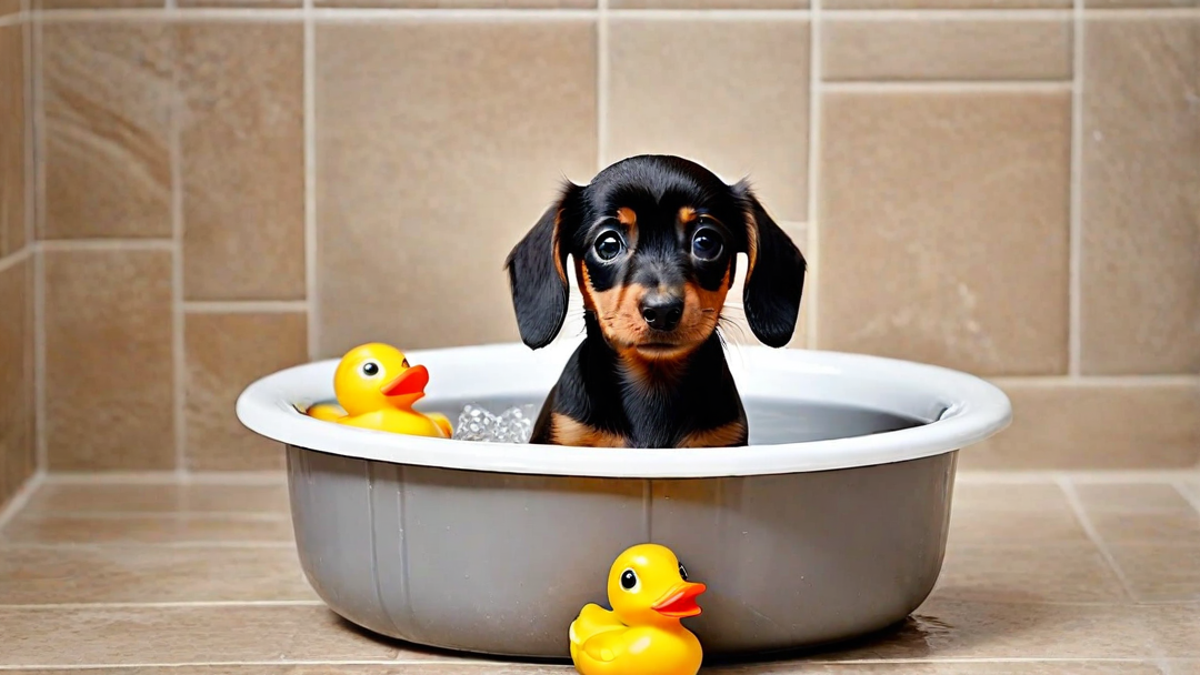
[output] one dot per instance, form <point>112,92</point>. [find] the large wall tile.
<point>107,106</point>
<point>429,173</point>
<point>242,137</point>
<point>12,139</point>
<point>1141,197</point>
<point>944,228</point>
<point>109,368</point>
<point>1095,426</point>
<point>225,353</point>
<point>946,49</point>
<point>98,4</point>
<point>732,95</point>
<point>16,377</point>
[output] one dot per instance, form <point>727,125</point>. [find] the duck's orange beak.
<point>680,601</point>
<point>411,381</point>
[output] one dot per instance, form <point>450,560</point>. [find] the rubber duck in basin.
<point>649,591</point>
<point>376,388</point>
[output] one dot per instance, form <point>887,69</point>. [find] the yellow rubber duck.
<point>376,387</point>
<point>642,635</point>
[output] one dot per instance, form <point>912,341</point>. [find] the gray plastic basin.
<point>832,524</point>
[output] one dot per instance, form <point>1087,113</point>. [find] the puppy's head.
<point>654,240</point>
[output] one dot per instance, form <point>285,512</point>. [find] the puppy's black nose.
<point>662,312</point>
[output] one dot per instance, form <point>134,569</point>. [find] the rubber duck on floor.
<point>649,592</point>
<point>376,387</point>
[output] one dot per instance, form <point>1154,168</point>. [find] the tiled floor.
<point>1044,574</point>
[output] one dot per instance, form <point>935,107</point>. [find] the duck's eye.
<point>609,246</point>
<point>682,572</point>
<point>370,369</point>
<point>629,580</point>
<point>707,244</point>
<point>405,363</point>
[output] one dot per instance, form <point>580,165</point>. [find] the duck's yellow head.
<point>648,585</point>
<point>375,376</point>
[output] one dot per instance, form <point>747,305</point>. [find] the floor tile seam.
<point>1085,522</point>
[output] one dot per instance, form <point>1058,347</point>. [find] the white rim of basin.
<point>956,410</point>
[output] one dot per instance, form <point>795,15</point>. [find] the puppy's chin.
<point>652,347</point>
<point>663,351</point>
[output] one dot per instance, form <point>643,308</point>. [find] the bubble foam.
<point>514,425</point>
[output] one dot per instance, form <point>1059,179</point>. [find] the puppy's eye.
<point>707,244</point>
<point>370,369</point>
<point>609,246</point>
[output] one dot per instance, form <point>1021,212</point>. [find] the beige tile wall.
<point>1009,187</point>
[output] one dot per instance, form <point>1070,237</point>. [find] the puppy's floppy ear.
<point>537,274</point>
<point>774,276</point>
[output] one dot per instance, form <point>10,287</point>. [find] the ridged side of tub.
<point>501,563</point>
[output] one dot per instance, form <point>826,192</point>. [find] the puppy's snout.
<point>662,312</point>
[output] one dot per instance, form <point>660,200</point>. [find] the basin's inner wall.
<point>771,420</point>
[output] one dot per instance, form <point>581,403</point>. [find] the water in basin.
<point>771,421</point>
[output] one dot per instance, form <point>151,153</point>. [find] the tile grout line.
<point>1068,490</point>
<point>816,102</point>
<point>1097,380</point>
<point>176,604</point>
<point>1193,500</point>
<point>41,433</point>
<point>602,83</point>
<point>19,500</point>
<point>946,14</point>
<point>16,258</point>
<point>178,324</point>
<point>972,86</point>
<point>30,110</point>
<point>310,181</point>
<point>29,249</point>
<point>711,14</point>
<point>105,244</point>
<point>1100,477</point>
<point>1074,241</point>
<point>124,545</point>
<point>170,478</point>
<point>244,306</point>
<point>230,516</point>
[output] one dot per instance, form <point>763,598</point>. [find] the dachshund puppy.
<point>653,239</point>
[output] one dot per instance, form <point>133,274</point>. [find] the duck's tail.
<point>325,411</point>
